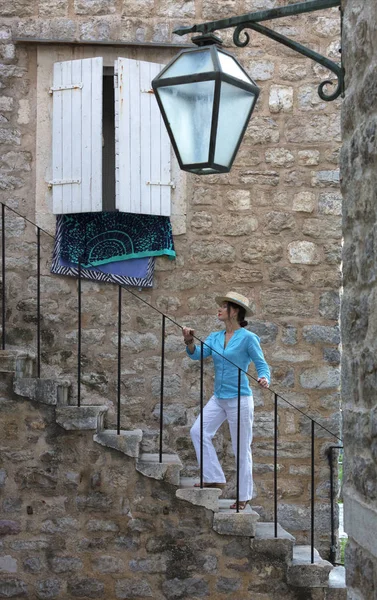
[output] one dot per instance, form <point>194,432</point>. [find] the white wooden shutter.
<point>142,145</point>
<point>77,136</point>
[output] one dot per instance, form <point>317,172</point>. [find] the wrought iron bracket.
<point>252,20</point>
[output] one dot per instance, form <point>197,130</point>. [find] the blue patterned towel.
<point>101,238</point>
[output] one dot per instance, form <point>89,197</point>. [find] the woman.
<point>240,347</point>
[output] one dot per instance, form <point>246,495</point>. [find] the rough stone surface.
<point>127,442</point>
<point>232,523</point>
<point>201,497</point>
<point>301,573</point>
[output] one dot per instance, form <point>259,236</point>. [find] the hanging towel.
<point>136,272</point>
<point>102,238</point>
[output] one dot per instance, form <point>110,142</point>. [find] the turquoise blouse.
<point>242,348</point>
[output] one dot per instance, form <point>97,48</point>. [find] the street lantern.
<point>206,99</point>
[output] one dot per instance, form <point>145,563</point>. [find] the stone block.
<point>301,573</point>
<point>281,99</point>
<point>48,589</point>
<point>60,525</point>
<point>257,251</point>
<point>321,334</point>
<point>192,587</point>
<point>226,585</point>
<point>229,522</point>
<point>320,378</point>
<point>279,157</point>
<point>12,588</point>
<point>8,564</point>
<point>156,564</point>
<point>17,362</point>
<point>33,565</point>
<point>288,303</point>
<point>303,253</point>
<point>207,497</point>
<point>330,204</point>
<point>94,7</point>
<point>3,477</point>
<point>265,330</point>
<point>66,564</point>
<point>212,252</point>
<point>260,70</point>
<point>46,391</point>
<point>86,587</point>
<point>304,202</point>
<point>266,545</point>
<point>132,588</point>
<point>127,442</point>
<point>9,527</point>
<point>108,564</point>
<point>81,417</point>
<point>168,470</point>
<point>329,305</point>
<point>262,130</point>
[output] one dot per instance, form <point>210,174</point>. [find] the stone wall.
<point>270,230</point>
<point>78,521</point>
<point>359,304</point>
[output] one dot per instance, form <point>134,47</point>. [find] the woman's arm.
<point>192,350</point>
<point>256,354</point>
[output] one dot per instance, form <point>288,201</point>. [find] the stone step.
<point>19,362</point>
<point>337,584</point>
<point>81,417</point>
<point>207,497</point>
<point>302,573</point>
<point>47,391</point>
<point>127,442</point>
<point>273,548</point>
<point>168,470</point>
<point>230,522</point>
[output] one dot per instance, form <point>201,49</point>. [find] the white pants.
<point>214,414</point>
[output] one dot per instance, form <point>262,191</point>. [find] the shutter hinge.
<point>62,182</point>
<point>116,80</point>
<point>147,91</point>
<point>169,183</point>
<point>61,88</point>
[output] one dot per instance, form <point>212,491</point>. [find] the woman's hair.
<point>240,313</point>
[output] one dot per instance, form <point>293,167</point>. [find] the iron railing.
<point>165,317</point>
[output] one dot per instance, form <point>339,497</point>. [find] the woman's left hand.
<point>263,382</point>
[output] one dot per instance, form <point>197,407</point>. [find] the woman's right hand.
<point>188,334</point>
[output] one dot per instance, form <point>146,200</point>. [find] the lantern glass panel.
<point>189,63</point>
<point>188,108</point>
<point>234,109</point>
<point>230,67</point>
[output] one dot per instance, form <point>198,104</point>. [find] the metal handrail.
<point>277,396</point>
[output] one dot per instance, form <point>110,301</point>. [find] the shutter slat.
<point>145,138</point>
<point>122,138</point>
<point>97,92</point>
<point>156,154</point>
<point>77,143</point>
<point>133,101</point>
<point>143,146</point>
<point>57,162</point>
<point>76,132</point>
<point>67,135</point>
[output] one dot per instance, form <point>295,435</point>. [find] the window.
<point>110,148</point>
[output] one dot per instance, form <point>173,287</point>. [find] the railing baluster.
<point>201,411</point>
<point>119,353</point>
<point>3,271</point>
<point>162,384</point>
<point>312,499</point>
<point>38,302</point>
<point>238,439</point>
<point>332,547</point>
<point>276,466</point>
<point>79,339</point>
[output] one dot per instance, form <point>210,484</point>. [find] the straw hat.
<point>236,299</point>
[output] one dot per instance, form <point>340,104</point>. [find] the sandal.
<point>211,485</point>
<point>241,504</point>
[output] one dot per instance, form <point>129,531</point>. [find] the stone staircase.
<point>301,575</point>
